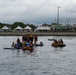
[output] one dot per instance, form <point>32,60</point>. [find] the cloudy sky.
<point>35,11</point>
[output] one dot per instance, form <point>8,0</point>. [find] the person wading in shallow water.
<point>18,41</point>
<point>31,38</point>
<point>35,39</point>
<point>13,45</point>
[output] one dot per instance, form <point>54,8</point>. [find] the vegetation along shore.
<point>19,29</point>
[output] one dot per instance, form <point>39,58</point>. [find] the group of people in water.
<point>28,41</point>
<point>57,42</point>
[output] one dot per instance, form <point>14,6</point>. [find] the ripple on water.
<point>45,60</point>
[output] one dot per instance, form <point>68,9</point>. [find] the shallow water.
<point>45,60</point>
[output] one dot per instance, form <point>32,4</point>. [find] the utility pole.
<point>58,22</point>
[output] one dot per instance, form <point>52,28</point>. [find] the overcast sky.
<point>35,11</point>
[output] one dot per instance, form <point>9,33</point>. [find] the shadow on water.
<point>21,52</point>
<point>58,49</point>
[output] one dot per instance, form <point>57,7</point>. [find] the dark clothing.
<point>18,40</point>
<point>36,39</point>
<point>31,39</point>
<point>24,38</point>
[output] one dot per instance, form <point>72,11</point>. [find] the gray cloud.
<point>35,11</point>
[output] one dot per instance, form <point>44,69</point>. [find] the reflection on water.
<point>45,60</point>
<point>58,49</point>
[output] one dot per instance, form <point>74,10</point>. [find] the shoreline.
<point>38,33</point>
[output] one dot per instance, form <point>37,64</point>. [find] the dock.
<point>38,33</point>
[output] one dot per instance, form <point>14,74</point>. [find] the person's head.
<point>61,39</point>
<point>18,38</point>
<point>41,42</point>
<point>55,41</point>
<point>30,35</point>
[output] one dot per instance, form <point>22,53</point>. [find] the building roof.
<point>5,27</point>
<point>27,27</point>
<point>18,27</point>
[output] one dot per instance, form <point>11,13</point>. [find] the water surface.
<point>45,60</point>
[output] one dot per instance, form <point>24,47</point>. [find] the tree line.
<point>15,24</point>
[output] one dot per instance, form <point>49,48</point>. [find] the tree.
<point>32,26</point>
<point>21,24</point>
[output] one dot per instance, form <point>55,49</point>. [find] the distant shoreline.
<point>38,33</point>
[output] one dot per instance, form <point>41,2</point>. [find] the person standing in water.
<point>18,40</point>
<point>13,45</point>
<point>35,39</point>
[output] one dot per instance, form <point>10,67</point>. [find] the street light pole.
<point>58,22</point>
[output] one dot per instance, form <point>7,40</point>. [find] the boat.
<point>51,39</point>
<point>58,45</point>
<point>9,48</point>
<point>39,44</point>
<point>18,46</point>
<point>62,45</point>
<point>28,48</point>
